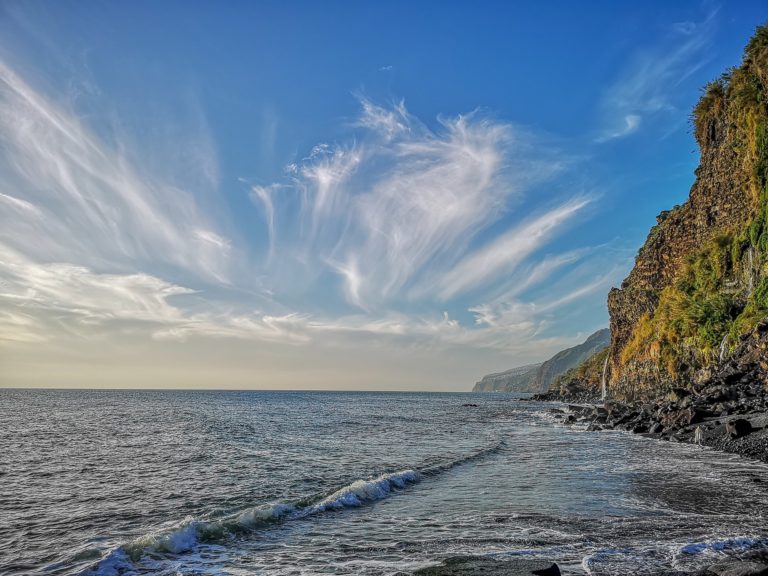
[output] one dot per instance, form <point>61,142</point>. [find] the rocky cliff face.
<point>538,377</point>
<point>515,380</point>
<point>570,358</point>
<point>699,282</point>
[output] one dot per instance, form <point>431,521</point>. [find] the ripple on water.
<point>351,483</point>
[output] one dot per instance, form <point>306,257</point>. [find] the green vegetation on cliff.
<point>539,377</point>
<point>699,306</point>
<point>589,372</point>
<point>571,359</point>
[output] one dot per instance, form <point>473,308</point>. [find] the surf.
<point>186,535</point>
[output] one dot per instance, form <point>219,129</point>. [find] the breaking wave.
<point>184,536</point>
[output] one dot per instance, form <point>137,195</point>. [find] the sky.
<point>333,195</point>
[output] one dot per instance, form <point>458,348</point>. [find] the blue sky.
<point>336,194</point>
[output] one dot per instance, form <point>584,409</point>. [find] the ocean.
<point>181,482</point>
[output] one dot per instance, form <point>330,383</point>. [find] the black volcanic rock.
<point>738,428</point>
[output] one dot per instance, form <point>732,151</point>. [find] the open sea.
<point>169,482</point>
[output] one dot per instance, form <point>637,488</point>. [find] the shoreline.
<point>754,564</point>
<point>596,415</point>
<point>743,433</point>
<point>727,410</point>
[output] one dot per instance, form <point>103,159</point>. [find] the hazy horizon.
<point>333,196</point>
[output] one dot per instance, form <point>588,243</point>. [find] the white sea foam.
<point>680,556</point>
<point>116,563</point>
<point>186,535</point>
<point>361,491</point>
<point>715,548</point>
<point>261,515</point>
<point>721,545</point>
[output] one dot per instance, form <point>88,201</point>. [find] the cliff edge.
<point>700,282</point>
<point>539,377</point>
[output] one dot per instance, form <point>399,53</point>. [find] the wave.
<point>362,491</point>
<point>445,466</point>
<point>727,544</point>
<point>184,536</point>
<point>653,557</point>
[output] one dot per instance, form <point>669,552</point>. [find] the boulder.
<point>553,570</point>
<point>738,428</point>
<point>717,393</point>
<point>681,418</point>
<point>720,409</point>
<point>639,428</point>
<point>656,428</point>
<point>677,394</point>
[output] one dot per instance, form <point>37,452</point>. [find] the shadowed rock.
<point>553,570</point>
<point>738,428</point>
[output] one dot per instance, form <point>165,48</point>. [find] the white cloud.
<point>86,296</point>
<point>92,245</point>
<point>599,285</point>
<point>263,195</point>
<point>39,299</point>
<point>16,326</point>
<point>402,203</point>
<point>42,301</point>
<point>506,252</point>
<point>85,200</point>
<point>646,86</point>
<point>20,205</point>
<point>631,125</point>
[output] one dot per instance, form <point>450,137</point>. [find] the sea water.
<point>171,482</point>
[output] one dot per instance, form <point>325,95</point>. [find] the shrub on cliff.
<point>698,306</point>
<point>590,372</point>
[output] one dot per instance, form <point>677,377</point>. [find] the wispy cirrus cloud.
<point>646,86</point>
<point>93,244</point>
<point>513,316</point>
<point>506,252</point>
<point>38,301</point>
<point>51,298</point>
<point>403,204</point>
<point>86,199</point>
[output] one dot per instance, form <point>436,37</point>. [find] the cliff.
<point>588,375</point>
<point>514,380</point>
<point>701,279</point>
<point>538,377</point>
<point>569,359</point>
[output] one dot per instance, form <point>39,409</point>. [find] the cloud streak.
<point>394,229</point>
<point>403,203</point>
<point>86,200</point>
<point>646,86</point>
<point>39,299</point>
<point>505,253</point>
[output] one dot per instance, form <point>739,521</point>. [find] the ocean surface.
<point>134,482</point>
